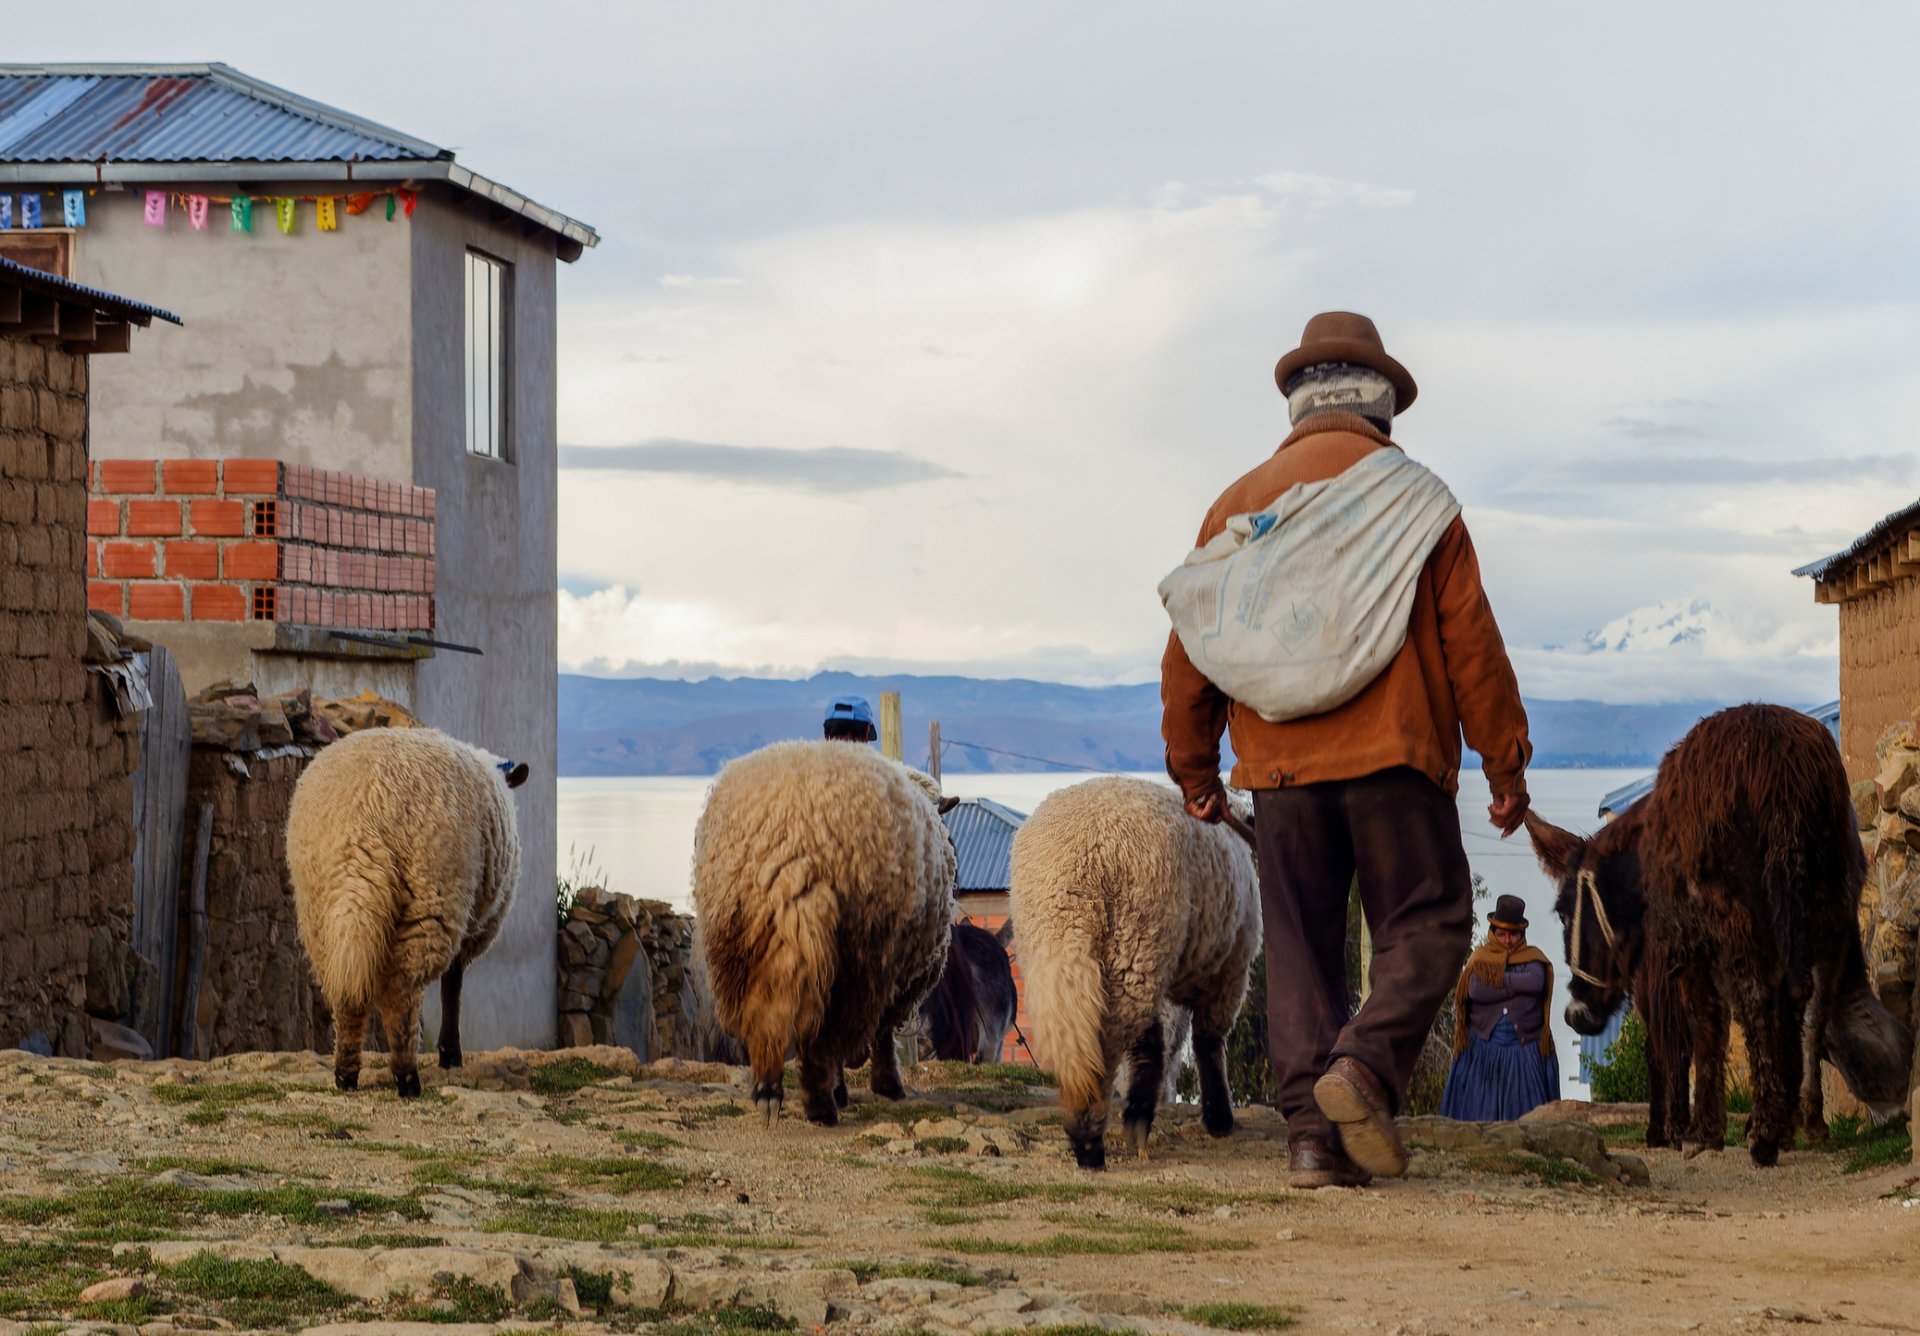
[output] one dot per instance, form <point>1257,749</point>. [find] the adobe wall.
<point>1879,669</point>
<point>257,991</point>
<point>66,757</point>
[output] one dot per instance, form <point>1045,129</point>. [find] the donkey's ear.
<point>1554,847</point>
<point>1005,933</point>
<point>947,805</point>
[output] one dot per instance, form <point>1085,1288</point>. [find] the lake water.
<point>638,832</point>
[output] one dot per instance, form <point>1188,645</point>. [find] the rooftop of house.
<point>983,834</point>
<point>38,305</point>
<point>209,122</point>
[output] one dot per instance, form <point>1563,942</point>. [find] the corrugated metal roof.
<point>983,834</point>
<point>210,122</point>
<point>1899,520</point>
<point>180,113</point>
<point>1627,795</point>
<point>19,275</point>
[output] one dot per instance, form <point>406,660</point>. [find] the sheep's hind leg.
<point>769,1063</point>
<point>1146,1061</point>
<point>883,1070</point>
<point>1216,1099</point>
<point>349,1035</point>
<point>816,1089</point>
<point>400,1014</point>
<point>840,1085</point>
<point>450,1055</point>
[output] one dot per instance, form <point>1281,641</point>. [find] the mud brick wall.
<point>256,992</point>
<point>257,540</point>
<point>66,758</point>
<point>1879,669</point>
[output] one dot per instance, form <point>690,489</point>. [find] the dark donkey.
<point>1745,866</point>
<point>970,1010</point>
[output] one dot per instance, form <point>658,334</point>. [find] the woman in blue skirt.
<point>1503,1062</point>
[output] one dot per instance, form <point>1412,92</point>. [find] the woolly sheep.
<point>823,882</point>
<point>404,855</point>
<point>1127,908</point>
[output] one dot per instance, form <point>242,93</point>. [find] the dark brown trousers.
<point>1399,833</point>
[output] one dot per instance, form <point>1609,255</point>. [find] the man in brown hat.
<point>1365,788</point>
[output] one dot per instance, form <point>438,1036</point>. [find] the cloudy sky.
<point>921,337</point>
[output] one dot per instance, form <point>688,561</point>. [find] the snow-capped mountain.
<point>1662,627</point>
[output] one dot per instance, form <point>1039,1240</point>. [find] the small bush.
<point>1620,1076</point>
<point>1241,1317</point>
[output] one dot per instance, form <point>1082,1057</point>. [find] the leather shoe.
<point>1355,1102</point>
<point>1314,1163</point>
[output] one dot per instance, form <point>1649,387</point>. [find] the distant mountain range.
<point>659,726</point>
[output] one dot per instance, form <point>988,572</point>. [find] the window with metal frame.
<point>489,360</point>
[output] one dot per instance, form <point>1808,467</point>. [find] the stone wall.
<point>628,976</point>
<point>66,756</point>
<point>1888,807</point>
<point>256,992</point>
<point>1879,669</point>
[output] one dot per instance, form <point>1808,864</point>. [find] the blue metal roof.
<point>15,274</point>
<point>210,122</point>
<point>983,834</point>
<point>1628,794</point>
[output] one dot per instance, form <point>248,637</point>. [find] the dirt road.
<point>582,1189</point>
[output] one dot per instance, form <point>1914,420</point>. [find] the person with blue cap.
<point>849,719</point>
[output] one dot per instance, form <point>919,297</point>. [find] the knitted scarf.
<point>1490,962</point>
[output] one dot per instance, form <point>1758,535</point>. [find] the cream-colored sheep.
<point>823,881</point>
<point>1126,908</point>
<point>405,855</point>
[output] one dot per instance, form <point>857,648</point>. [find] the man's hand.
<point>1209,806</point>
<point>1506,812</point>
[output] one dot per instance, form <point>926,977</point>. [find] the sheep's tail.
<point>348,921</point>
<point>784,991</point>
<point>1067,998</point>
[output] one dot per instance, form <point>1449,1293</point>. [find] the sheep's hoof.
<point>450,1059</point>
<point>1691,1149</point>
<point>1220,1125</point>
<point>346,1080</point>
<point>769,1107</point>
<point>888,1089</point>
<point>1137,1132</point>
<point>407,1085</point>
<point>1765,1153</point>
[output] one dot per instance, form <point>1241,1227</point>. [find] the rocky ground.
<point>582,1191</point>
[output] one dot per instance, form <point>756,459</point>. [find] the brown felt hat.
<point>1509,911</point>
<point>1342,336</point>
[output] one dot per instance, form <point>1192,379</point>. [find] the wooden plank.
<point>933,750</point>
<point>159,814</point>
<point>38,317</point>
<point>75,323</point>
<point>9,305</point>
<point>892,744</point>
<point>110,338</point>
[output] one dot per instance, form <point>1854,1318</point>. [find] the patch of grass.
<point>1624,1134</point>
<point>136,1210</point>
<point>1739,1099</point>
<point>715,1321</point>
<point>123,1312</point>
<point>1552,1169</point>
<point>940,1145</point>
<point>220,1096</point>
<point>252,1294</point>
<point>1242,1317</point>
<point>458,1299</point>
<point>421,1154</point>
<point>1096,1238</point>
<point>568,1075</point>
<point>439,1174</point>
<point>872,1140</point>
<point>940,1215</point>
<point>869,1271</point>
<point>906,1111</point>
<point>694,1115</point>
<point>941,1186</point>
<point>207,1168</point>
<point>43,1277</point>
<point>624,1173</point>
<point>594,1289</point>
<point>554,1221</point>
<point>1867,1146</point>
<point>390,1240</point>
<point>317,1122</point>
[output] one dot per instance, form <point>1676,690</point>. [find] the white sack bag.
<point>1293,610</point>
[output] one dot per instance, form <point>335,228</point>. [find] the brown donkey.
<point>1743,865</point>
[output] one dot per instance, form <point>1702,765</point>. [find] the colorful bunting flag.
<point>357,204</point>
<point>6,213</point>
<point>283,212</point>
<point>242,208</point>
<point>197,212</point>
<point>156,211</point>
<point>409,198</point>
<point>329,220</point>
<point>73,208</point>
<point>389,206</point>
<point>30,210</point>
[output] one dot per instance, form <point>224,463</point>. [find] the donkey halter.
<point>1587,888</point>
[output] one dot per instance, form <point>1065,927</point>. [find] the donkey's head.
<point>1602,907</point>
